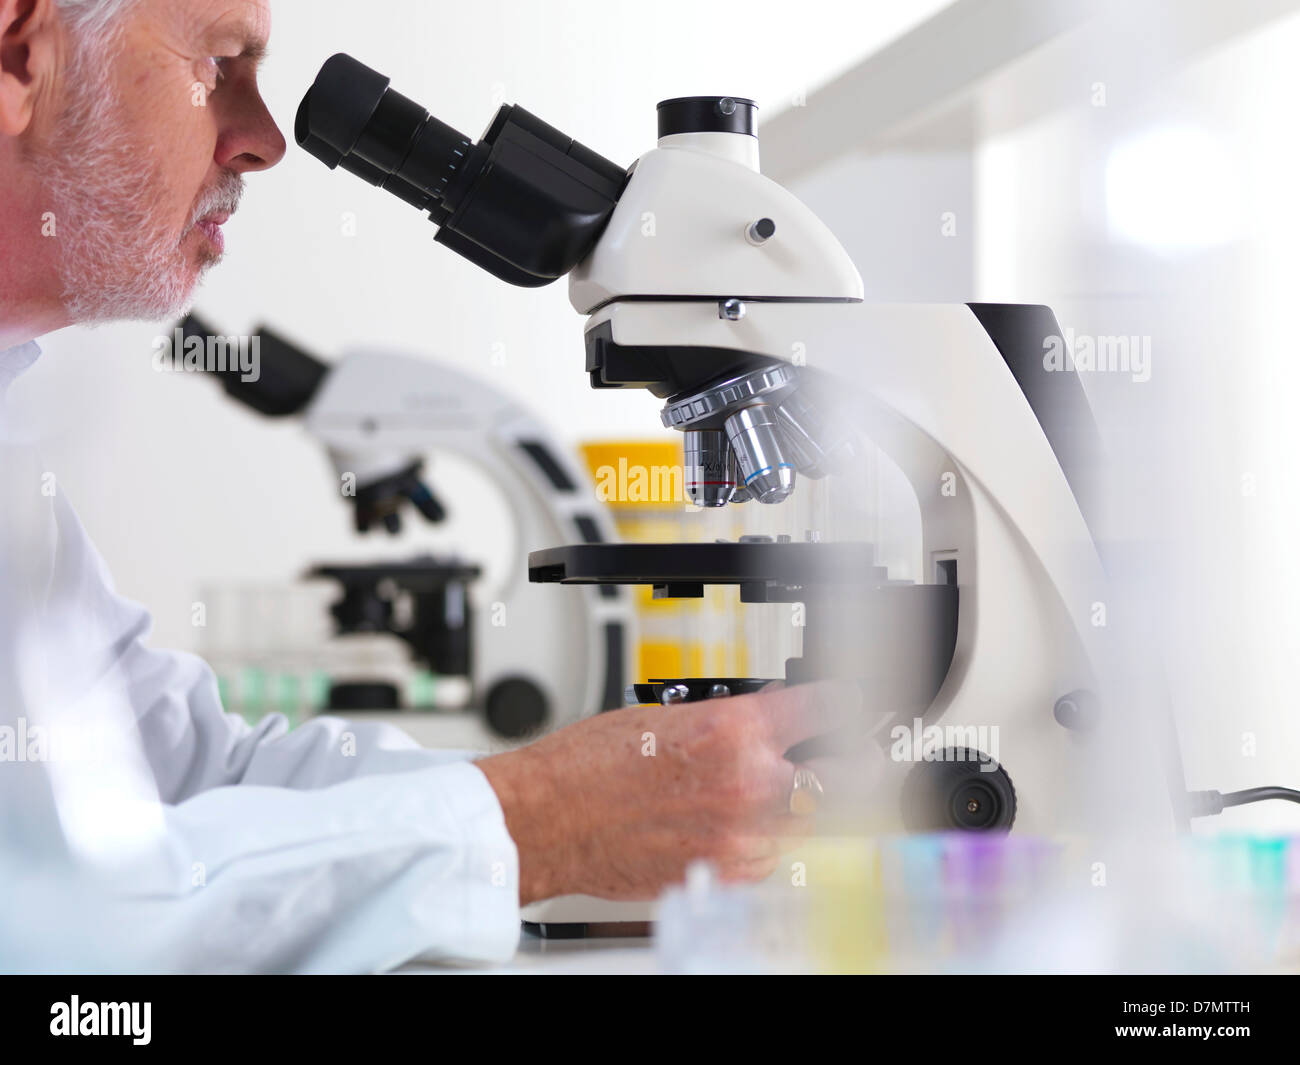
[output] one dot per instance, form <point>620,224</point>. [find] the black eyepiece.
<point>351,118</point>
<point>337,108</point>
<point>527,203</point>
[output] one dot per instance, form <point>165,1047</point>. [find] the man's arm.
<point>193,841</point>
<point>357,877</point>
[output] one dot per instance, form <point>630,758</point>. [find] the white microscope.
<point>535,661</point>
<point>721,293</point>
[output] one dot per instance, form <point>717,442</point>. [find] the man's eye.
<point>212,71</point>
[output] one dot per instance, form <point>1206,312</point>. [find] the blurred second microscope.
<point>455,660</point>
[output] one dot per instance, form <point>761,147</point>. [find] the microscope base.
<point>587,917</point>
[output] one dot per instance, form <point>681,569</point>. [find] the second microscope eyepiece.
<point>526,203</point>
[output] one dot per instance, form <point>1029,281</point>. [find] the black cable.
<point>1209,803</point>
<point>1240,798</point>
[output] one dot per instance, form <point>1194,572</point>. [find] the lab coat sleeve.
<point>203,844</point>
<point>355,877</point>
<point>191,743</point>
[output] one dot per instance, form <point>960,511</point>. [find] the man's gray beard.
<point>118,260</point>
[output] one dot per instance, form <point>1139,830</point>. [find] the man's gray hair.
<point>93,19</point>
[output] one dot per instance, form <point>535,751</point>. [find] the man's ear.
<point>29,37</point>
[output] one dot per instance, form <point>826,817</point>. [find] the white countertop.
<point>552,957</point>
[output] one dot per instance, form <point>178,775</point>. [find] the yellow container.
<point>641,481</point>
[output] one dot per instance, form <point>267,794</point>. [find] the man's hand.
<point>619,804</point>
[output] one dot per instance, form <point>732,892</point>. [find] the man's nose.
<point>251,140</point>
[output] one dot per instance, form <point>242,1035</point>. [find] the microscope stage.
<point>766,570</point>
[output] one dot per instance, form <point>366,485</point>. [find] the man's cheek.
<point>169,103</point>
<point>179,144</point>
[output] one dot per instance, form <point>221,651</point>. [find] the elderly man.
<point>199,842</point>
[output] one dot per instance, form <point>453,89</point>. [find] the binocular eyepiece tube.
<point>526,203</point>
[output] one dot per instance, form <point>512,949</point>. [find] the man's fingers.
<point>807,710</point>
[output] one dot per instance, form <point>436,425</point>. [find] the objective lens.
<point>820,444</point>
<point>765,467</point>
<point>741,494</point>
<point>709,478</point>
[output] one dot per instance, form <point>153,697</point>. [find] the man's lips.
<point>210,227</point>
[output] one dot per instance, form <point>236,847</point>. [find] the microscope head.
<point>693,235</point>
<point>712,246</point>
<point>382,481</point>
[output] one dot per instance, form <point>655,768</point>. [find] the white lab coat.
<point>145,829</point>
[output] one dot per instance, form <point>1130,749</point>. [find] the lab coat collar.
<point>14,361</point>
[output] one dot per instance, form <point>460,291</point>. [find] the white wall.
<point>179,487</point>
<point>908,221</point>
